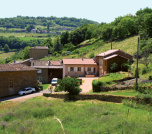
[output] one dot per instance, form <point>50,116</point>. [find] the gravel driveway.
<point>87,85</point>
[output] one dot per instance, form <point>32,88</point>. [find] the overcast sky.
<point>96,10</point>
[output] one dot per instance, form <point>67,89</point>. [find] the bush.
<point>114,67</point>
<point>91,55</point>
<point>96,85</point>
<point>145,70</point>
<point>150,78</point>
<point>70,85</point>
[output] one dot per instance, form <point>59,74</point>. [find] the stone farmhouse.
<point>15,77</point>
<point>98,66</point>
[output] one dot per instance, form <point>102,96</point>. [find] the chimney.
<point>49,63</point>
<point>82,57</point>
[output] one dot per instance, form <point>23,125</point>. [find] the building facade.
<point>39,52</point>
<point>16,77</point>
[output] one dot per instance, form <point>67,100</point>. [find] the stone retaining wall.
<point>108,98</point>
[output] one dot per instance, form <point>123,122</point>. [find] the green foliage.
<point>91,55</point>
<point>26,52</point>
<point>23,22</point>
<point>57,46</point>
<point>64,38</point>
<point>96,84</point>
<point>1,48</point>
<point>106,81</point>
<point>29,28</point>
<point>6,48</point>
<point>150,78</point>
<point>114,67</point>
<point>35,116</point>
<point>69,85</point>
<point>69,47</point>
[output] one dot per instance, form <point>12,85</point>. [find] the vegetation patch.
<point>37,115</point>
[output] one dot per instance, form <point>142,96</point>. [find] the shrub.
<point>114,67</point>
<point>91,55</point>
<point>150,78</point>
<point>70,85</point>
<point>96,85</point>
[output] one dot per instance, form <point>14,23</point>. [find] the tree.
<point>1,48</point>
<point>29,28</point>
<point>57,46</point>
<point>6,48</point>
<point>64,38</point>
<point>70,85</point>
<point>69,47</point>
<point>26,52</point>
<point>145,60</point>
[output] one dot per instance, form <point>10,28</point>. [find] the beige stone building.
<point>39,52</point>
<point>15,77</point>
<point>80,67</point>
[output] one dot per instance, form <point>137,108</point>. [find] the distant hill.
<point>42,23</point>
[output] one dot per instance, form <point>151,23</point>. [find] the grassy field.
<point>25,36</point>
<point>5,55</point>
<point>39,115</point>
<point>128,45</point>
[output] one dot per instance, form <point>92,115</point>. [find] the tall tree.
<point>6,48</point>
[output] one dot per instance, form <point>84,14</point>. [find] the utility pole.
<point>111,42</point>
<point>137,66</point>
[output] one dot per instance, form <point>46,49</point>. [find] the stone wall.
<point>12,82</point>
<point>108,98</point>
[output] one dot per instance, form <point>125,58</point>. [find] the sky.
<point>96,10</point>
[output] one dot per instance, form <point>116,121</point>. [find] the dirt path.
<point>87,85</point>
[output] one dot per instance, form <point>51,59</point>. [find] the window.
<point>39,71</point>
<point>94,70</point>
<point>39,78</point>
<point>79,69</point>
<point>71,69</point>
<point>11,83</point>
<point>89,69</point>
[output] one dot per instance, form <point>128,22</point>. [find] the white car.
<point>27,91</point>
<point>54,81</point>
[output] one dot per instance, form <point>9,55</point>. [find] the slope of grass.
<point>128,45</point>
<point>82,117</point>
<point>5,55</point>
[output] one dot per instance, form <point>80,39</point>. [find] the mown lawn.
<point>45,86</point>
<point>82,117</point>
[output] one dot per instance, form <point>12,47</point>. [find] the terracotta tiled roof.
<point>108,52</point>
<point>55,63</point>
<point>15,67</point>
<point>79,61</point>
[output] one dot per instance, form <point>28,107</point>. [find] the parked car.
<point>27,91</point>
<point>54,81</point>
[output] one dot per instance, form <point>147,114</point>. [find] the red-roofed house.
<point>106,59</point>
<point>79,67</point>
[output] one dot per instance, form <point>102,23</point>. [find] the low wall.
<point>106,89</point>
<point>108,98</point>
